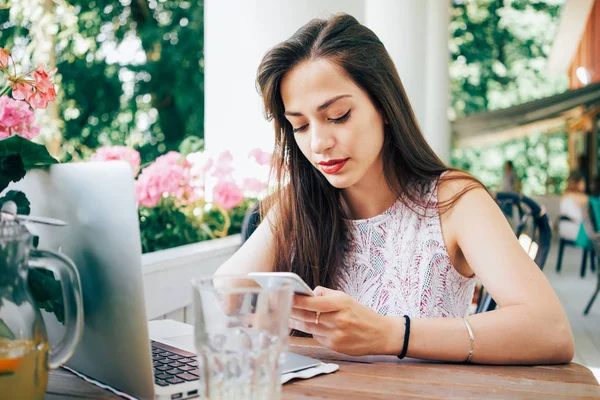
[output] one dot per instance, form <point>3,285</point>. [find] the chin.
<point>339,182</point>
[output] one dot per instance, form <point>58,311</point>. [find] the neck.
<point>369,197</point>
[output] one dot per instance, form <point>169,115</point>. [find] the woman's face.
<point>336,126</point>
<point>581,185</point>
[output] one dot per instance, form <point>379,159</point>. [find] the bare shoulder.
<point>458,195</point>
<point>457,188</point>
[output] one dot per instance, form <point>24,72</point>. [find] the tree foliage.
<point>499,51</point>
<point>539,160</point>
<point>129,71</point>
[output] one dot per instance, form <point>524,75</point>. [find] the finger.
<point>303,315</point>
<point>308,327</point>
<point>329,303</point>
<point>311,316</point>
<point>323,291</point>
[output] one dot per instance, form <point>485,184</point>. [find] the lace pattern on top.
<point>397,264</point>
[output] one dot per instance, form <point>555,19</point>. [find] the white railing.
<point>167,275</point>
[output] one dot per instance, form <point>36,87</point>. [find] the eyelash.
<point>339,120</point>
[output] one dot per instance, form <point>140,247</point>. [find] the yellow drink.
<point>23,369</point>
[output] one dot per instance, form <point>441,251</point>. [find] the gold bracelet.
<point>471,340</point>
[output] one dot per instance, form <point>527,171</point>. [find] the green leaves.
<point>498,54</point>
<point>18,155</point>
<point>47,292</point>
<point>170,224</point>
<point>33,155</point>
<point>20,199</point>
<point>12,169</point>
<point>191,144</point>
<point>167,225</point>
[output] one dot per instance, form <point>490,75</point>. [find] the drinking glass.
<point>241,332</point>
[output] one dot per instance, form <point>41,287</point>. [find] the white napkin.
<point>322,368</point>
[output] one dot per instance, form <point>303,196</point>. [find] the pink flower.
<point>206,165</point>
<point>227,194</point>
<point>40,100</point>
<point>201,163</point>
<point>16,118</point>
<point>172,157</point>
<point>253,185</point>
<point>4,54</point>
<point>222,167</point>
<point>108,153</point>
<point>169,175</point>
<point>42,79</point>
<point>37,92</point>
<point>261,157</point>
<point>22,91</point>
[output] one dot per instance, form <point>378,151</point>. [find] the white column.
<point>436,125</point>
<point>415,33</point>
<point>399,24</point>
<point>237,33</point>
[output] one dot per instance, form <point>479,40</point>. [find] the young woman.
<point>367,213</point>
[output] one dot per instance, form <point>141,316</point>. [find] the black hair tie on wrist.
<point>406,335</point>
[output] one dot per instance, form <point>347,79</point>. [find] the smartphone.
<point>274,279</point>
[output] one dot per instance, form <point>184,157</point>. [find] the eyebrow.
<point>321,107</point>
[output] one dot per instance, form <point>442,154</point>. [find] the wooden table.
<point>387,377</point>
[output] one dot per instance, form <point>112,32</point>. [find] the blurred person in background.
<point>510,180</point>
<point>572,204</point>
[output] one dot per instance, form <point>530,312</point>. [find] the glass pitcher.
<point>25,355</point>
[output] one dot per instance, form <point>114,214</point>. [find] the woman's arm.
<point>255,255</point>
<point>530,326</point>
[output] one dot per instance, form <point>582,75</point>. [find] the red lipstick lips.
<point>332,166</point>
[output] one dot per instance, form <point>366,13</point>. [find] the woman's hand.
<point>344,325</point>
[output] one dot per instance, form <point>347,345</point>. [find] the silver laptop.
<point>97,201</point>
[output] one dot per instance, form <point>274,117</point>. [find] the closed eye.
<point>300,129</point>
<point>341,119</point>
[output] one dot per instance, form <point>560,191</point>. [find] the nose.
<point>322,139</point>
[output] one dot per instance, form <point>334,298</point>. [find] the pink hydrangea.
<point>109,153</point>
<point>227,194</point>
<point>253,185</point>
<point>168,175</point>
<point>223,165</point>
<point>261,157</point>
<point>16,118</point>
<point>207,165</point>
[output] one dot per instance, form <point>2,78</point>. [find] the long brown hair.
<point>309,220</point>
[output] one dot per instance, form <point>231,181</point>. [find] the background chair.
<point>596,241</point>
<point>586,251</point>
<point>531,225</point>
<point>593,231</point>
<point>251,222</point>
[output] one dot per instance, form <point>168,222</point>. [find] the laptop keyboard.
<point>173,365</point>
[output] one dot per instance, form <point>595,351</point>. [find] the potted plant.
<point>29,89</point>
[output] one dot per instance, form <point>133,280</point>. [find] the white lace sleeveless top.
<point>397,264</point>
